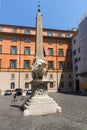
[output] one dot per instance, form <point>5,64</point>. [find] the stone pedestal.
<point>40,103</point>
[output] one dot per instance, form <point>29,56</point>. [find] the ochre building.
<point>17,50</point>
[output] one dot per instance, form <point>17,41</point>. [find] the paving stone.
<point>73,117</point>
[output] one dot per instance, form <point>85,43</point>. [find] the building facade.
<point>79,49</point>
<point>17,50</point>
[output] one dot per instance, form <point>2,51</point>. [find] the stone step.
<point>40,105</point>
<point>42,102</point>
<point>42,110</point>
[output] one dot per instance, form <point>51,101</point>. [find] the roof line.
<point>35,27</point>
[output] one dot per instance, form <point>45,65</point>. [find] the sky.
<point>57,14</point>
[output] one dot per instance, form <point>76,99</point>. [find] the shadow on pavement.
<point>17,106</point>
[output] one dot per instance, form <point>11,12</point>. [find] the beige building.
<point>79,49</point>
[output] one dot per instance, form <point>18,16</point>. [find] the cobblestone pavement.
<point>73,117</point>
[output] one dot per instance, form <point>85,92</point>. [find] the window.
<point>12,76</point>
<point>69,53</point>
<point>62,76</point>
<point>51,85</point>
<point>27,85</point>
<point>50,51</point>
<point>59,34</point>
<point>76,68</point>
<point>13,50</point>
<point>61,84</point>
<point>74,52</point>
<point>75,60</point>
<point>70,84</point>
<point>60,41</point>
<point>76,75</point>
<point>60,52</point>
<point>1,38</point>
<point>79,49</point>
<point>69,42</point>
<point>0,49</point>
<point>79,58</point>
<point>0,63</point>
<point>0,29</point>
<point>74,41</point>
<point>50,64</point>
<point>27,51</point>
<point>27,31</point>
<point>51,76</point>
<point>70,76</point>
<point>68,35</point>
<point>13,63</point>
<point>69,65</point>
<point>26,64</point>
<point>12,85</point>
<point>50,33</point>
<point>27,40</point>
<point>50,41</point>
<point>15,30</point>
<point>26,76</point>
<point>61,65</point>
<point>14,39</point>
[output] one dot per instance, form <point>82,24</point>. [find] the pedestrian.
<point>15,94</point>
<point>24,95</point>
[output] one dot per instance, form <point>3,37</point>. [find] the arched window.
<point>26,85</point>
<point>12,85</point>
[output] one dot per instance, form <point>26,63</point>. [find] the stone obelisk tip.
<point>39,34</point>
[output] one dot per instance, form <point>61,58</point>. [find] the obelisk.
<point>40,103</point>
<point>39,35</point>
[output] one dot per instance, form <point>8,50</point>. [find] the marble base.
<point>41,105</point>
